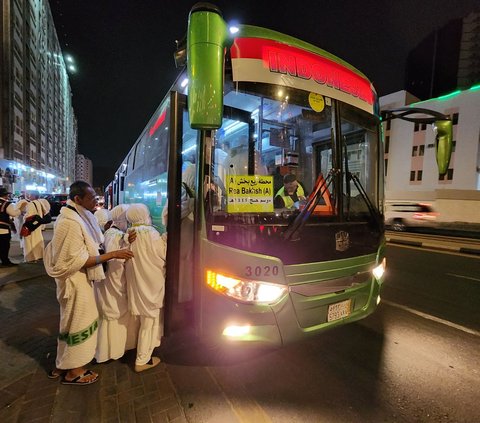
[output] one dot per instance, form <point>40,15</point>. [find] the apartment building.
<point>410,166</point>
<point>83,169</point>
<point>38,128</point>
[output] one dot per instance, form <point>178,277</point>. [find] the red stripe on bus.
<point>157,124</point>
<point>285,59</point>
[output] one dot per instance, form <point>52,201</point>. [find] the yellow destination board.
<point>249,194</point>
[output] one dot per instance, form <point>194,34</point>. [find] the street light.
<point>70,63</point>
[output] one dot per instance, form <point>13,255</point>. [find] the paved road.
<point>29,321</point>
<point>414,360</point>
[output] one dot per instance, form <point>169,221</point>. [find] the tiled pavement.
<point>29,322</point>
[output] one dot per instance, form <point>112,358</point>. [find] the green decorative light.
<point>447,96</point>
<point>444,97</point>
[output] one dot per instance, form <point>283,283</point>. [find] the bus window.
<point>360,152</point>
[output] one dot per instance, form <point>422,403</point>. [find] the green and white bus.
<point>251,106</point>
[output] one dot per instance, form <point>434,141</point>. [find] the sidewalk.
<point>29,314</point>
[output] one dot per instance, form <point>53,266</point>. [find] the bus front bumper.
<point>293,318</point>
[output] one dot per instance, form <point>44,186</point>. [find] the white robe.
<point>146,272</point>
<point>65,256</point>
<point>118,329</point>
<point>146,281</point>
<point>33,244</point>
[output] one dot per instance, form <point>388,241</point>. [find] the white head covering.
<point>138,214</point>
<point>102,216</point>
<point>45,205</point>
<point>119,216</point>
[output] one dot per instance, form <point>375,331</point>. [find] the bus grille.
<point>311,300</point>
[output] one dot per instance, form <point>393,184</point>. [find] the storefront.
<point>19,178</point>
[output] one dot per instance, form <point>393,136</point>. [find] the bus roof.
<point>262,55</point>
<point>258,32</point>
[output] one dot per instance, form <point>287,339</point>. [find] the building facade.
<point>469,59</point>
<point>410,166</point>
<point>83,169</point>
<point>447,59</point>
<point>38,128</point>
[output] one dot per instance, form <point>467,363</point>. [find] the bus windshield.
<point>286,145</point>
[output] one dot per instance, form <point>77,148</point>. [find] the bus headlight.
<point>380,269</point>
<point>247,291</point>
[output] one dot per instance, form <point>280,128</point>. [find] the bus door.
<point>230,151</point>
<point>180,218</point>
<point>191,159</point>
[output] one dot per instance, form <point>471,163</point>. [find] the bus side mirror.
<point>444,144</point>
<point>206,42</point>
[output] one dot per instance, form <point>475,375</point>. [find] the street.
<point>414,360</point>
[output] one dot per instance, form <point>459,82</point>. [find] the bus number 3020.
<point>261,271</point>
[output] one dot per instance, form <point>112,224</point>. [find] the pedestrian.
<point>18,220</point>
<point>46,217</point>
<point>7,212</point>
<point>146,284</point>
<point>74,259</point>
<point>118,329</point>
<point>33,244</point>
<point>103,218</point>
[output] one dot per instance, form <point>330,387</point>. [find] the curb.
<point>463,250</point>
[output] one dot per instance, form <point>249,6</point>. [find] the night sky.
<point>124,52</point>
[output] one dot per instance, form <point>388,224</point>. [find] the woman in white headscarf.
<point>117,331</point>
<point>146,284</point>
<point>103,219</point>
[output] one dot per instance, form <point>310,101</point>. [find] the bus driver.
<point>290,194</point>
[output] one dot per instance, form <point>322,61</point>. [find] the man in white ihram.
<point>74,260</point>
<point>33,244</point>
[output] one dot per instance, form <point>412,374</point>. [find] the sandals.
<point>154,361</point>
<point>55,373</point>
<point>81,379</point>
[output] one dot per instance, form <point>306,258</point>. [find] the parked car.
<point>401,215</point>
<point>57,201</point>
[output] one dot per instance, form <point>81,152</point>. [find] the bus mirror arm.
<point>442,125</point>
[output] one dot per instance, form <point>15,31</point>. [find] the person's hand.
<point>122,254</point>
<point>132,235</point>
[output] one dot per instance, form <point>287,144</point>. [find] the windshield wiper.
<point>352,177</point>
<point>320,188</point>
<point>371,208</point>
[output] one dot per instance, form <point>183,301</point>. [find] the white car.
<point>401,215</point>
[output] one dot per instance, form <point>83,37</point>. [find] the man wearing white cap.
<point>74,259</point>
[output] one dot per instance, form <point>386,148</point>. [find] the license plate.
<point>339,310</point>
